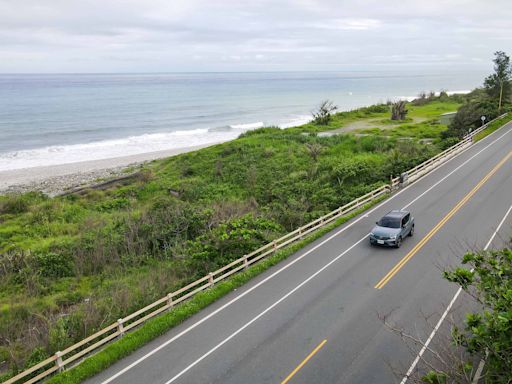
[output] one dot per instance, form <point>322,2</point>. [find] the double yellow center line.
<point>439,225</point>
<point>413,251</point>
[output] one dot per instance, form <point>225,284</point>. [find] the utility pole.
<point>501,96</point>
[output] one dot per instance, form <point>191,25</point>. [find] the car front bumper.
<point>384,242</point>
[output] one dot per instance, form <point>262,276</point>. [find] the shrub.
<point>323,114</point>
<point>449,142</point>
<point>19,203</point>
<point>261,131</point>
<point>54,265</point>
<point>468,117</point>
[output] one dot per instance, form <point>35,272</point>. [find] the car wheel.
<point>398,242</point>
<point>412,231</point>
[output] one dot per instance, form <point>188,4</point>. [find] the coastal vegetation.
<point>485,104</point>
<point>399,110</point>
<point>72,264</point>
<point>487,332</point>
<point>498,84</point>
<point>323,114</point>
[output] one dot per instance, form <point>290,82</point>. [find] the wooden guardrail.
<point>432,163</point>
<point>70,355</point>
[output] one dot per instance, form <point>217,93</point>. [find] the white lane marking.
<point>455,170</point>
<point>438,325</point>
<point>263,313</point>
<point>229,303</point>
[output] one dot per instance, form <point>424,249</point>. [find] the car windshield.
<point>389,222</point>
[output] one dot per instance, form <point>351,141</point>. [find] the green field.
<point>71,265</point>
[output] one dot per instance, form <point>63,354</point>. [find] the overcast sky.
<point>256,35</point>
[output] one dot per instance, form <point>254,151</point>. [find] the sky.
<point>75,36</point>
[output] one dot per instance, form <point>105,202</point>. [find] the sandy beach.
<point>53,180</point>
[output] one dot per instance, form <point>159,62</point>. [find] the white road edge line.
<point>438,325</point>
<point>264,312</point>
<point>229,303</point>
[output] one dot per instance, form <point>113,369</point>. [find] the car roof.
<point>396,213</point>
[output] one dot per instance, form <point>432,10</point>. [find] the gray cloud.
<point>227,35</point>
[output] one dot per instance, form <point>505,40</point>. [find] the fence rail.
<point>76,351</point>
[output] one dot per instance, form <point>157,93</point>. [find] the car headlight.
<point>372,234</point>
<point>392,237</point>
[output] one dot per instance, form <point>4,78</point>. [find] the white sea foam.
<point>133,145</point>
<point>411,98</point>
<point>259,124</point>
<point>463,92</point>
<point>406,98</point>
<point>295,122</point>
<point>64,154</point>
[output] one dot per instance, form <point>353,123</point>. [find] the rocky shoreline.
<point>58,185</point>
<point>58,179</point>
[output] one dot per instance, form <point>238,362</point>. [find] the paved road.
<point>322,301</point>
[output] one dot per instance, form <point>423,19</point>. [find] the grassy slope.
<point>101,255</point>
<point>492,127</point>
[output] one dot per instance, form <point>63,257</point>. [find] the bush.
<point>19,203</point>
<point>323,114</point>
<point>230,241</point>
<point>261,131</point>
<point>488,332</point>
<point>468,117</point>
<point>54,265</point>
<point>449,142</point>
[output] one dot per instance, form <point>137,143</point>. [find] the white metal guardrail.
<point>70,355</point>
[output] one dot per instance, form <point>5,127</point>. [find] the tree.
<point>488,333</point>
<point>498,84</point>
<point>468,117</point>
<point>323,114</point>
<point>398,110</point>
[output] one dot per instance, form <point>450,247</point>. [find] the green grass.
<point>156,327</point>
<point>492,127</point>
<point>432,110</point>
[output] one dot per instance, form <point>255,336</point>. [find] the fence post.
<point>274,245</point>
<point>59,361</point>
<point>246,262</point>
<point>120,327</point>
<point>210,279</point>
<point>170,304</point>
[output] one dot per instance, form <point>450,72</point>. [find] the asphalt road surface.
<point>317,317</point>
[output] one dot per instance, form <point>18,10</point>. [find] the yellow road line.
<point>313,352</point>
<point>439,225</point>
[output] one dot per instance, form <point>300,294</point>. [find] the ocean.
<point>57,119</point>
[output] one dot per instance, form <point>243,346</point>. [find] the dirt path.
<point>370,123</point>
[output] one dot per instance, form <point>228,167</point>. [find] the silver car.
<point>392,229</point>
